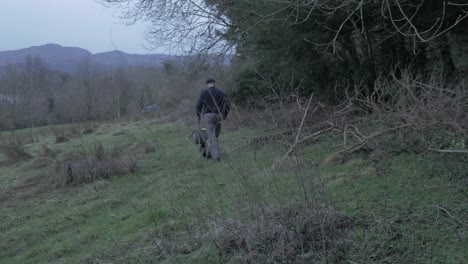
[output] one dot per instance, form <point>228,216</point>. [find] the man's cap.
<point>210,80</point>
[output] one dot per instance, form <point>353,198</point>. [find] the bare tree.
<point>33,96</point>
<point>121,86</point>
<point>11,89</point>
<point>202,24</point>
<point>56,82</point>
<point>87,78</point>
<point>190,25</point>
<point>145,96</point>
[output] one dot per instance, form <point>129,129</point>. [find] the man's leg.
<point>212,123</point>
<point>218,128</point>
<point>203,150</point>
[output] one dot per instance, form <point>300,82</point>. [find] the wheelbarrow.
<point>200,137</point>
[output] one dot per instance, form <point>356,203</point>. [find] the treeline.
<point>319,46</point>
<point>325,46</point>
<point>31,94</point>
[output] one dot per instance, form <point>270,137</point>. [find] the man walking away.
<point>214,107</point>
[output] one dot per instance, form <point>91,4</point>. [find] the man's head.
<point>210,82</point>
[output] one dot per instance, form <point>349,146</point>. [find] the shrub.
<point>306,235</point>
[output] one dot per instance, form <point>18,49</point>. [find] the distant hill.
<point>66,58</point>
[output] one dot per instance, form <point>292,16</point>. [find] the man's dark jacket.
<point>213,100</point>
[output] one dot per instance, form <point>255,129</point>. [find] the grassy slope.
<point>128,219</point>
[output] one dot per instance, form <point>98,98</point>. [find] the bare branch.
<point>462,151</point>
<point>451,216</point>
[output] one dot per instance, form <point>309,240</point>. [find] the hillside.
<point>397,207</point>
<point>66,58</point>
<point>346,140</point>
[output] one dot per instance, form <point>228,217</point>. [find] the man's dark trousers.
<point>213,128</point>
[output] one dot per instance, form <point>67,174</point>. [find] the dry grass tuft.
<point>88,131</point>
<point>20,139</point>
<point>287,236</point>
<point>59,135</point>
<point>13,154</point>
<point>48,152</point>
<point>101,164</point>
<point>61,139</point>
<point>150,147</point>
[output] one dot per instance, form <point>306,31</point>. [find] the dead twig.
<point>450,215</point>
<point>298,140</point>
<point>374,135</point>
<point>449,150</point>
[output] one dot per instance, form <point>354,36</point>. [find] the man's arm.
<point>200,103</point>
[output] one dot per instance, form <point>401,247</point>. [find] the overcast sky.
<point>72,23</point>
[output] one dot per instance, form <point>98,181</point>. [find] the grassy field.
<point>179,208</point>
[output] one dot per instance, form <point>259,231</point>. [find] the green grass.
<point>403,199</point>
<point>131,218</point>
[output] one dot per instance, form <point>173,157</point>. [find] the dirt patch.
<point>120,133</point>
<point>28,189</point>
<point>40,162</point>
<point>293,163</point>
